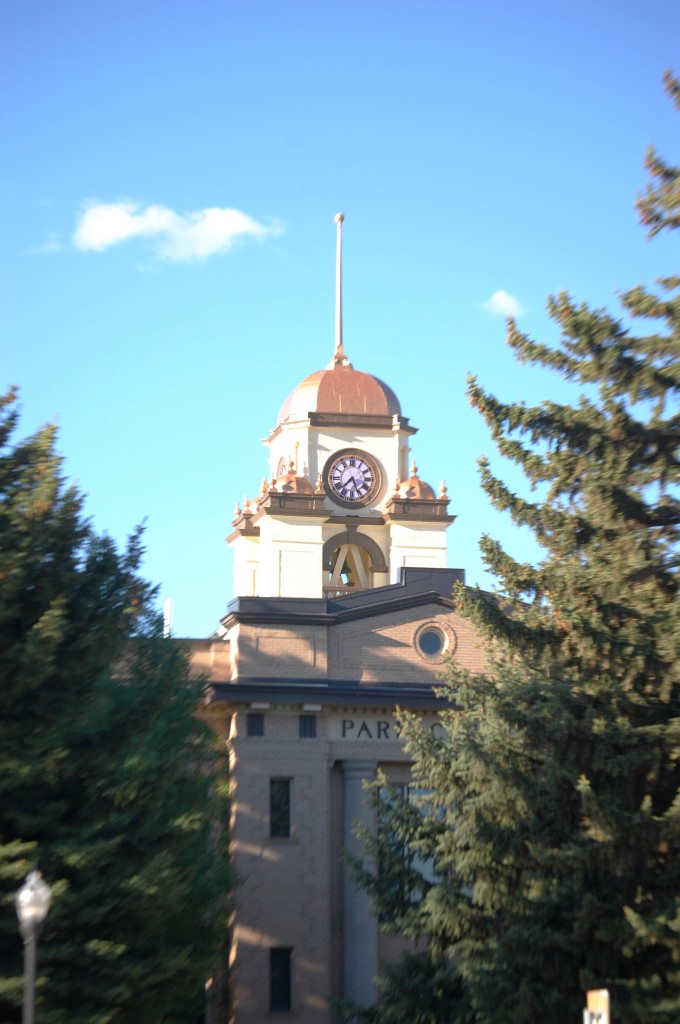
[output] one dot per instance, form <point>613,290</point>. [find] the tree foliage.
<point>551,808</point>
<point>659,206</point>
<point>420,989</point>
<point>107,780</point>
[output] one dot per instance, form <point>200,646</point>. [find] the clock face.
<point>351,478</point>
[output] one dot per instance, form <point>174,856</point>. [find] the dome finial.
<point>339,357</point>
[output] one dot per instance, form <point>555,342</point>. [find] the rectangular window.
<point>279,808</point>
<point>421,862</point>
<point>279,979</point>
<point>254,723</point>
<point>406,874</point>
<point>307,727</point>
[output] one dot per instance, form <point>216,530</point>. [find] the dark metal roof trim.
<point>327,693</point>
<point>415,588</point>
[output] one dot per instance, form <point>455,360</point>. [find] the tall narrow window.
<point>405,874</point>
<point>254,723</point>
<point>279,808</point>
<point>279,979</point>
<point>307,727</point>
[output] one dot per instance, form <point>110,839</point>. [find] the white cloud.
<point>503,304</point>
<point>176,237</point>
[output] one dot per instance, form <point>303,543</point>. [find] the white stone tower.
<point>341,510</point>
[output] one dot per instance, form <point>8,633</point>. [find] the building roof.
<point>327,693</point>
<point>339,388</point>
<point>414,588</point>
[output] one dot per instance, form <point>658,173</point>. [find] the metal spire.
<point>339,357</point>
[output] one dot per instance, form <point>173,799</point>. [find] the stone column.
<point>360,927</point>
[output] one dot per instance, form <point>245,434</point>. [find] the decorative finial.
<point>414,468</point>
<point>443,493</point>
<point>339,357</point>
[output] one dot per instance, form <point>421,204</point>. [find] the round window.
<point>434,641</point>
<point>431,642</point>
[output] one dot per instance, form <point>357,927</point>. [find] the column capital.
<point>359,768</point>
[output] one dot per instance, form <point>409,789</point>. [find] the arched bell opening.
<point>350,562</point>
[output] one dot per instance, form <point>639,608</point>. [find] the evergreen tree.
<point>551,811</point>
<point>107,779</point>
<point>659,206</point>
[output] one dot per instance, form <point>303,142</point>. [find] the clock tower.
<point>342,509</point>
<point>345,610</point>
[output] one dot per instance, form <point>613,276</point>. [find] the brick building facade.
<point>344,612</point>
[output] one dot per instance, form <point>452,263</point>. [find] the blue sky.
<point>474,149</point>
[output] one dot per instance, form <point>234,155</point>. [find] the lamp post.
<point>32,903</point>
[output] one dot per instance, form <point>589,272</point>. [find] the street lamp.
<point>32,903</point>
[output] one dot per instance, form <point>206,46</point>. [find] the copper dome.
<point>340,389</point>
<point>414,487</point>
